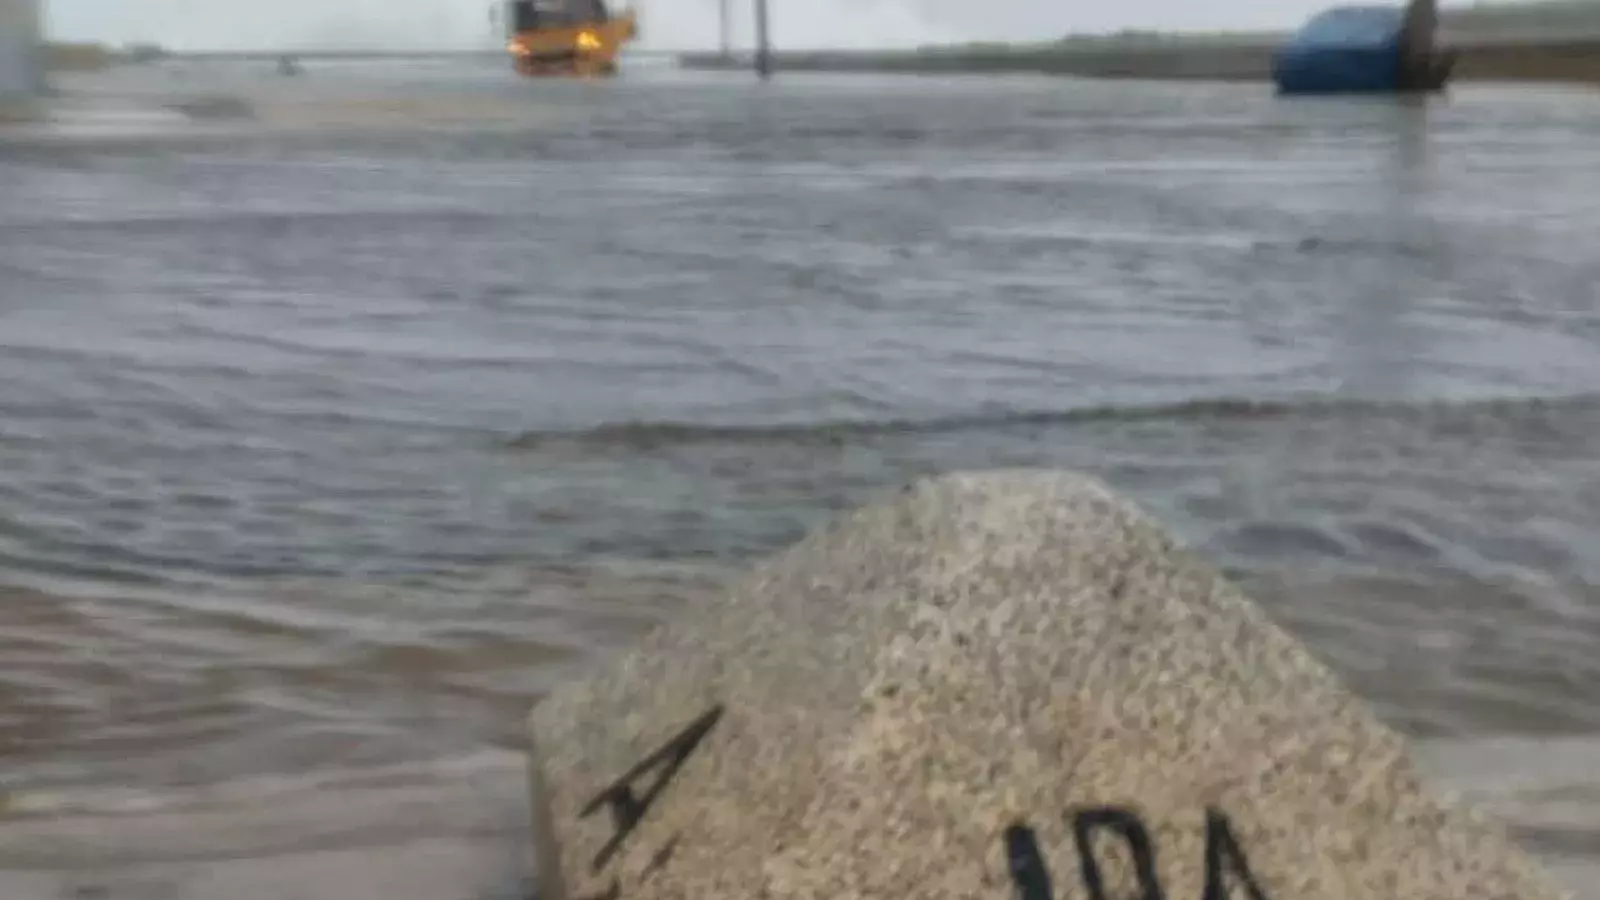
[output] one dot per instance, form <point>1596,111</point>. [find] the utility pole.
<point>725,12</point>
<point>1419,55</point>
<point>763,43</point>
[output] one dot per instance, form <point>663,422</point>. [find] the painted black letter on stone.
<point>1026,863</point>
<point>1133,831</point>
<point>1224,855</point>
<point>626,808</point>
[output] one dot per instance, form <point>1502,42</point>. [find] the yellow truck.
<point>567,37</point>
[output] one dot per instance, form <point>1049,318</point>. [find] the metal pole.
<point>763,44</point>
<point>725,12</point>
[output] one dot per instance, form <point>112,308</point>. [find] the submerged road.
<point>337,428</point>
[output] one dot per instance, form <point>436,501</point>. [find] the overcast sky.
<point>199,24</point>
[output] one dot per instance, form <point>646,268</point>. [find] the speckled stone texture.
<point>987,650</point>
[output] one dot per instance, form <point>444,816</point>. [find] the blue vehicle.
<point>1364,49</point>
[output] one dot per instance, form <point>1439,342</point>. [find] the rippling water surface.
<point>328,440</point>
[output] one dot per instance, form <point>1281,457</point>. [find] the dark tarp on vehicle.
<point>1348,48</point>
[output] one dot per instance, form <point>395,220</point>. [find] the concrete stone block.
<point>1011,684</point>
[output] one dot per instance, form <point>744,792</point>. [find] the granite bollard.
<point>995,685</point>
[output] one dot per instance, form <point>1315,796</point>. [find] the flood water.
<point>328,440</point>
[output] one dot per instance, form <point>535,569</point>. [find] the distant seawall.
<point>1235,63</point>
<point>1244,59</point>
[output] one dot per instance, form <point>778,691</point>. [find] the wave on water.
<point>264,218</point>
<point>645,435</point>
<point>453,829</point>
<point>457,827</point>
<point>1546,790</point>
